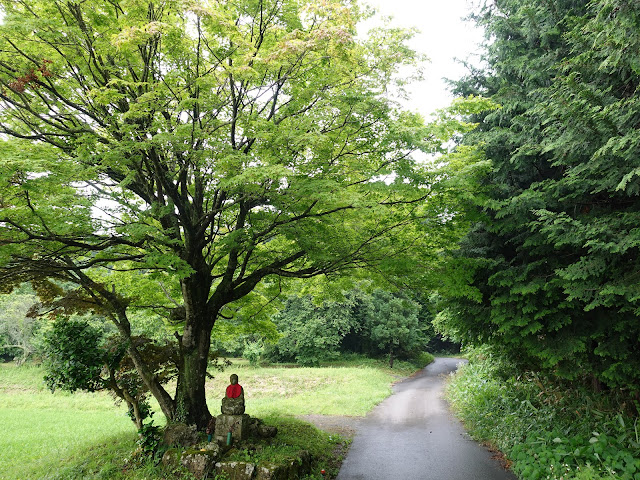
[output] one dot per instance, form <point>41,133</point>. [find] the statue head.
<point>234,379</point>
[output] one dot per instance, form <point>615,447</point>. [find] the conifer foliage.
<point>553,265</point>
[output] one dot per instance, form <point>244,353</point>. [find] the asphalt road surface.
<point>413,436</point>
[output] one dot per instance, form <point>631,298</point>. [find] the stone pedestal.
<point>238,425</point>
<point>233,406</point>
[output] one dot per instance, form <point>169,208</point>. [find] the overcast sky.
<point>444,36</point>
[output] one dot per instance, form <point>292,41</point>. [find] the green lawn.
<point>81,435</point>
<point>40,428</point>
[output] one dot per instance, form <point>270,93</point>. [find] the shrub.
<point>548,429</point>
<point>421,360</point>
<point>253,351</point>
<point>79,357</point>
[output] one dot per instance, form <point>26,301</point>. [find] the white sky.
<point>444,37</point>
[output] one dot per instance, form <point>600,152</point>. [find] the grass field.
<point>301,391</point>
<point>81,435</point>
<point>39,428</point>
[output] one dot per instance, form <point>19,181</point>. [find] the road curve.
<point>413,436</point>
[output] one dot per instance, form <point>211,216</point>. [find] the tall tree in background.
<point>393,324</point>
<point>552,269</point>
<point>171,156</point>
<point>311,333</point>
<point>374,324</point>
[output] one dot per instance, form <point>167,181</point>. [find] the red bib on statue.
<point>234,391</point>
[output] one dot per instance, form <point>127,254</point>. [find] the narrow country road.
<point>411,435</point>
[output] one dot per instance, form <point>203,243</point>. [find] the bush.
<point>73,356</point>
<point>79,357</point>
<point>549,430</point>
<point>253,351</point>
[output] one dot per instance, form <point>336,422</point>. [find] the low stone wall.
<point>291,469</point>
<point>204,462</point>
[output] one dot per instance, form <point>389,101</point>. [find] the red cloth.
<point>234,391</point>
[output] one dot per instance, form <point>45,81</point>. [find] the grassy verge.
<point>85,436</point>
<point>548,431</point>
<point>401,368</point>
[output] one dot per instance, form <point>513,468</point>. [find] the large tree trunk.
<point>191,405</point>
<point>119,317</point>
<point>157,390</point>
<point>190,401</point>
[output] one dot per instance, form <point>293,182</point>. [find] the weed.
<point>149,440</point>
<point>549,430</point>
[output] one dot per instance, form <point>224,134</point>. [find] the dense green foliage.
<point>549,272</point>
<point>393,325</point>
<point>79,356</point>
<point>549,429</point>
<point>372,324</point>
<point>310,333</point>
<point>73,356</point>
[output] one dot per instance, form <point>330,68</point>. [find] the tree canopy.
<point>372,323</point>
<point>174,156</point>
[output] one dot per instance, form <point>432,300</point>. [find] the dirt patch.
<point>338,424</point>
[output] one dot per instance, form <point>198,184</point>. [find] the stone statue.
<point>233,402</point>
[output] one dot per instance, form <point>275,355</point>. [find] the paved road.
<point>412,436</point>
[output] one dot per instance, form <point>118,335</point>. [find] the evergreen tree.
<point>550,267</point>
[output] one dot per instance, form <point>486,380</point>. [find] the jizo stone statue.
<point>233,402</point>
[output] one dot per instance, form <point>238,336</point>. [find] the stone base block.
<point>238,425</point>
<point>271,471</point>
<point>290,468</point>
<point>236,470</point>
<point>179,434</point>
<point>199,463</point>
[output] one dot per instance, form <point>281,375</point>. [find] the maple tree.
<point>184,159</point>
